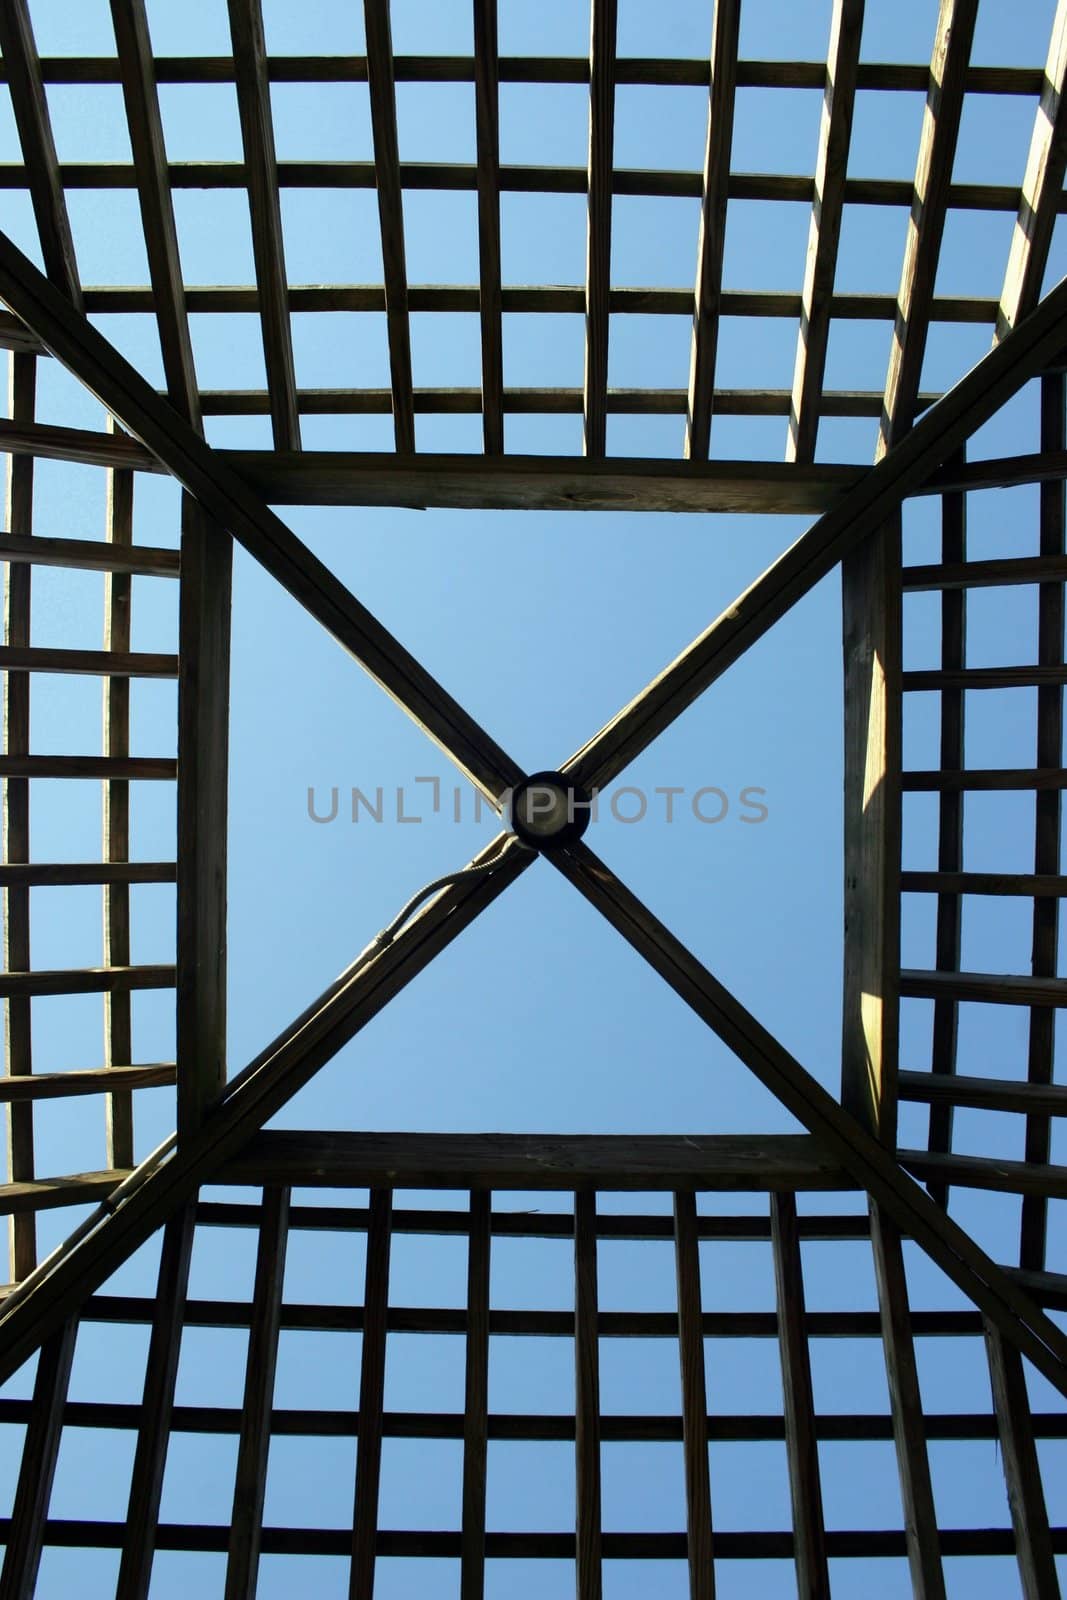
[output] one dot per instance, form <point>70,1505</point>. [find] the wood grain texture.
<point>1022,1471</point>
<point>809,1548</point>
<point>387,180</point>
<point>26,1534</point>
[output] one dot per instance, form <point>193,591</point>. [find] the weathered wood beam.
<point>90,555</point>
<point>987,1172</point>
<point>801,1444</point>
<point>986,779</point>
<point>844,1138</point>
<point>984,574</point>
<point>994,1094</point>
<point>986,677</point>
<point>23,436</point>
<point>228,500</point>
<point>203,777</point>
<point>382,89</point>
<point>1010,989</point>
<point>707,294</point>
<point>699,1539</point>
<point>487,295</point>
<point>476,1398</point>
<point>602,53</point>
<point>86,980</point>
<point>137,70</point>
<point>92,1080</point>
<point>835,135</point>
<point>588,1527</point>
<point>858,514</point>
<point>29,1516</point>
<point>364,1538</point>
<point>1022,1471</point>
<point>261,169</point>
<point>929,205</point>
<point>146,768</point>
<point>43,177</point>
<point>109,663</point>
<point>1042,187</point>
<point>39,874</point>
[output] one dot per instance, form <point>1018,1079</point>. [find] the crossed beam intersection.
<point>358,994</point>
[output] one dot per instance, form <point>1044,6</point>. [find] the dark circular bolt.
<point>549,810</point>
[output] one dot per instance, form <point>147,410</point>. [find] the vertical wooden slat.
<point>950,816</point>
<point>909,1433</point>
<point>487,116</point>
<point>587,1399</point>
<point>809,1540</point>
<point>153,1433</point>
<point>871,604</point>
<point>926,225</point>
<point>694,1399</point>
<point>476,1403</point>
<point>246,1526</point>
<point>261,167</point>
<point>1022,1470</point>
<point>22,1558</point>
<point>1042,187</point>
<point>708,293</point>
<point>1041,1052</point>
<point>824,233</point>
<point>18,1043</point>
<point>391,214</point>
<point>598,249</point>
<point>30,106</point>
<point>203,704</point>
<point>118,1031</point>
<point>371,1396</point>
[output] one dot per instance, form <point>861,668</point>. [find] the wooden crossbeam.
<point>109,663</point>
<point>42,173</point>
<point>488,298</point>
<point>92,1080</point>
<point>1042,187</point>
<point>145,127</point>
<point>371,1396</point>
<point>261,169</point>
<point>602,52</point>
<point>929,205</point>
<point>391,216</point>
<point>89,555</point>
<point>824,233</point>
<point>715,190</point>
<point>1022,1471</point>
<point>699,1540</point>
<point>29,1516</point>
<point>588,1522</point>
<point>995,1094</point>
<point>476,1398</point>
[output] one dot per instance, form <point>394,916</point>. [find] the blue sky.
<point>542,625</point>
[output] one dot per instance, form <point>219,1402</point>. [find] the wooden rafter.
<point>391,216</point>
<point>257,132</point>
<point>602,52</point>
<point>835,135</point>
<point>929,204</point>
<point>1042,187</point>
<point>707,297</point>
<point>489,296</point>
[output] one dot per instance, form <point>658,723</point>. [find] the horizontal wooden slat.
<point>535,1161</point>
<point>86,980</point>
<point>994,1094</point>
<point>94,1080</point>
<point>984,574</point>
<point>37,874</point>
<point>81,445</point>
<point>996,988</point>
<point>89,555</point>
<point>149,768</point>
<point>985,778</point>
<point>986,1172</point>
<point>985,678</point>
<point>1040,885</point>
<point>44,1194</point>
<point>97,663</point>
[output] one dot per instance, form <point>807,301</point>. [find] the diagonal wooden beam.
<point>266,1084</point>
<point>845,1139</point>
<point>30,106</point>
<point>926,225</point>
<point>860,512</point>
<point>1022,1470</point>
<point>598,246</point>
<point>708,293</point>
<point>835,135</point>
<point>382,89</point>
<point>487,117</point>
<point>137,68</point>
<point>1042,187</point>
<point>261,168</point>
<point>230,502</point>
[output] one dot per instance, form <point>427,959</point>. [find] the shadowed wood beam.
<point>835,135</point>
<point>476,1398</point>
<point>157,210</point>
<point>1042,187</point>
<point>267,1083</point>
<point>872,638</point>
<point>699,1539</point>
<point>1022,1471</point>
<point>30,106</point>
<point>488,294</point>
<point>391,216</point>
<point>145,768</point>
<point>29,1516</point>
<point>905,1398</point>
<point>157,1407</point>
<point>86,980</point>
<point>42,873</point>
<point>1045,941</point>
<point>708,291</point>
<point>246,1523</point>
<point>801,1444</point>
<point>109,663</point>
<point>228,500</point>
<point>602,51</point>
<point>860,512</point>
<point>933,176</point>
<point>996,1094</point>
<point>45,1194</point>
<point>987,1172</point>
<point>261,169</point>
<point>89,555</point>
<point>843,1137</point>
<point>203,774</point>
<point>94,1080</point>
<point>371,1395</point>
<point>588,1534</point>
<point>18,1033</point>
<point>118,1017</point>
